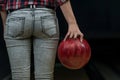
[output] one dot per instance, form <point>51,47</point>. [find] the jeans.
<point>32,31</point>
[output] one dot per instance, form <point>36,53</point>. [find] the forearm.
<point>3,16</point>
<point>68,13</point>
<point>73,29</point>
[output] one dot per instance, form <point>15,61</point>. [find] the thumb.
<point>66,36</point>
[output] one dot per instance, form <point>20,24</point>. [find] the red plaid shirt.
<point>17,4</point>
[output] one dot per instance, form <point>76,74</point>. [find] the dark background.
<point>99,20</point>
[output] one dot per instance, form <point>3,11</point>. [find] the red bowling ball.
<point>74,54</point>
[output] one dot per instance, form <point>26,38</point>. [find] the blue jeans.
<point>32,31</point>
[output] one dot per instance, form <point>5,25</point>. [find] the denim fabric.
<point>32,31</point>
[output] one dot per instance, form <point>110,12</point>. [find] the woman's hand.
<point>74,32</point>
<point>73,29</point>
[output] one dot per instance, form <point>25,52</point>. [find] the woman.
<point>31,27</point>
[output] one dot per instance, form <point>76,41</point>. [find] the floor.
<point>109,72</point>
<point>62,73</point>
<point>105,66</point>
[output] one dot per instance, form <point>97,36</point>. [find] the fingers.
<point>81,37</point>
<point>66,36</point>
<point>71,35</point>
<point>74,35</point>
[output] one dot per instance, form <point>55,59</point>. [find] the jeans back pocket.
<point>15,26</point>
<point>50,25</point>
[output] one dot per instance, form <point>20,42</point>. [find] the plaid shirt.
<point>17,4</point>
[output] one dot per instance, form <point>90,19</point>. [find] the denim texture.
<point>32,31</point>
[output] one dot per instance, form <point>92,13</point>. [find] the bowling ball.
<point>74,54</point>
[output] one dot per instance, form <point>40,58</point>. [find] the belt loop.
<point>34,6</point>
<point>31,6</point>
<point>8,11</point>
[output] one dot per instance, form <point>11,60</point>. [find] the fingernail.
<point>81,40</point>
<point>64,39</point>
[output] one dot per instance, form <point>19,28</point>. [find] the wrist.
<point>72,23</point>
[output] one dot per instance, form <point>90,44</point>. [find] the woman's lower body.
<point>32,31</point>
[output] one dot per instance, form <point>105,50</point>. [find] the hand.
<point>74,32</point>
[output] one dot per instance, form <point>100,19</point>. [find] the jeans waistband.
<point>31,6</point>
